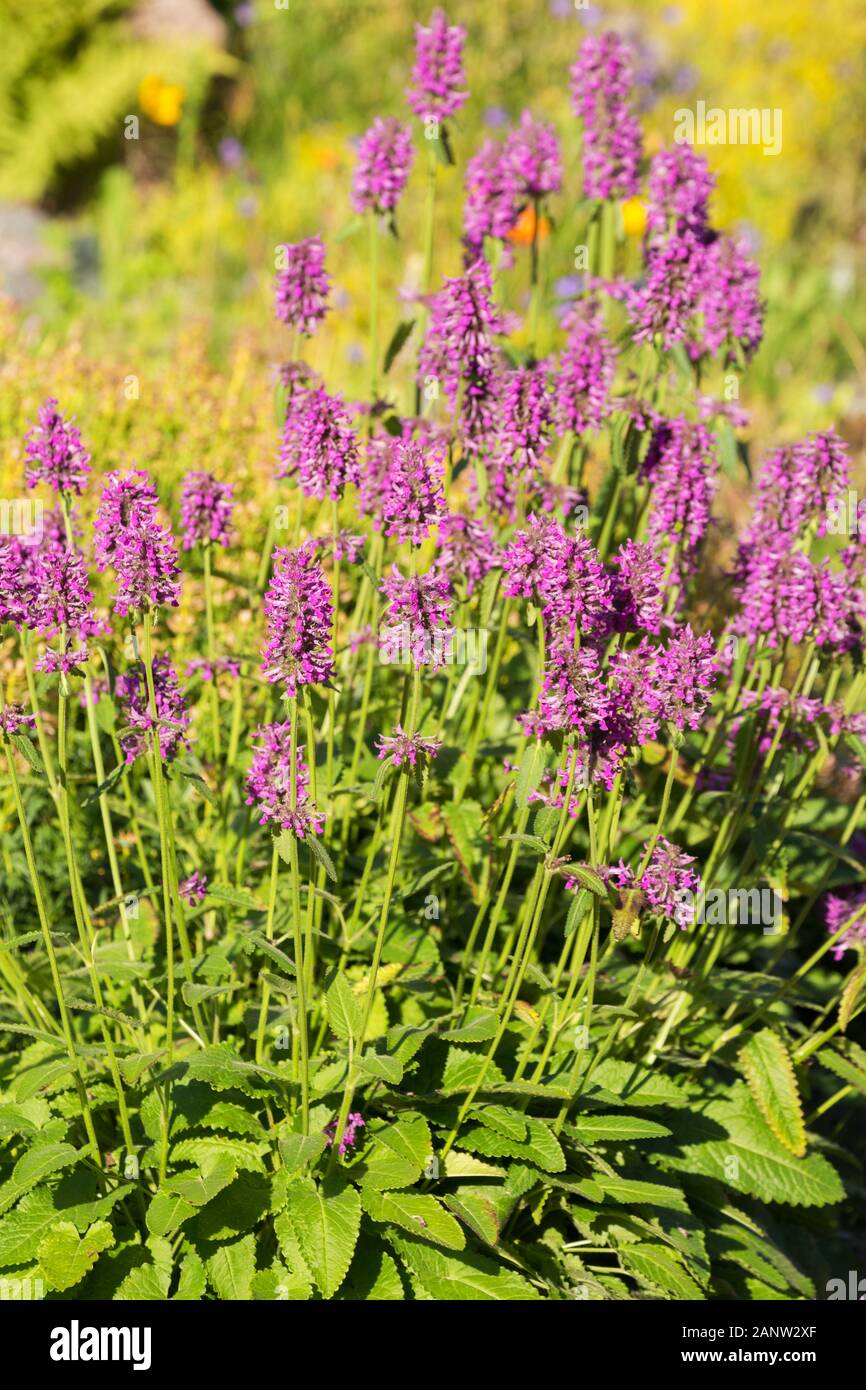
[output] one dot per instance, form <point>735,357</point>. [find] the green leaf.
<point>658,1266</point>
<point>219,1066</point>
<point>576,912</point>
<point>468,1278</point>
<point>326,1221</point>
<point>380,1067</point>
<point>111,781</point>
<point>245,1154</point>
<point>167,1212</point>
<point>217,1171</point>
<point>464,823</point>
<point>343,1008</point>
<point>616,1128</point>
<point>28,751</point>
<point>590,880</point>
<point>399,1154</point>
<point>844,1067</point>
<point>230,1270</point>
<point>850,994</point>
<point>65,1257</point>
<point>506,1121</point>
<point>399,338</point>
<point>480,1027</point>
<point>297,1150</point>
<point>32,1167</point>
<point>631,1084</point>
<point>373,1276</point>
<point>192,1281</point>
<point>237,1208</point>
<point>267,948</point>
<point>317,848</point>
<point>478,1213</point>
<point>749,1157</point>
<point>540,1146</point>
<point>43,1077</point>
<point>530,774</point>
<point>423,1216</point>
<point>773,1084</point>
<point>631,1192</point>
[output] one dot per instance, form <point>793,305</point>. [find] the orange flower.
<point>524,228</point>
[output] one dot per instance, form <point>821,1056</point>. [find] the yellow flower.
<point>633,217</point>
<point>161,101</point>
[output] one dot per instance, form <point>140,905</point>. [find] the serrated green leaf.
<point>327,1221</point>
<point>65,1257</point>
<point>773,1083</point>
<point>422,1215</point>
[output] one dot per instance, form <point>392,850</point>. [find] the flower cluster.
<point>413,498</point>
<point>458,350</point>
<point>354,1122</point>
<point>269,783</point>
<point>319,446</point>
<point>206,510</point>
<point>385,155</point>
<point>303,285</point>
<point>601,82</point>
<point>172,718</point>
<point>299,611</point>
<point>55,453</point>
<point>438,80</point>
<point>400,748</point>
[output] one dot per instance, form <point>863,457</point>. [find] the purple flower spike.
<point>55,453</point>
<point>147,569</point>
<point>63,606</point>
<point>669,884</point>
<point>637,588</point>
<point>681,466</point>
<point>206,510</point>
<point>586,370</point>
<point>269,783</point>
<point>733,312</point>
<point>303,285</point>
<point>439,83</point>
<point>14,719</point>
<point>459,346</point>
<point>467,550</point>
<point>418,616</point>
<point>385,155</point>
<point>299,610</point>
<point>840,908</point>
<point>414,499</point>
<point>400,748</point>
<point>612,148</point>
<point>686,671</point>
<point>354,1122</point>
<point>532,159</point>
<point>492,199</point>
<point>171,710</point>
<point>128,500</point>
<point>194,889</point>
<point>319,445</point>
